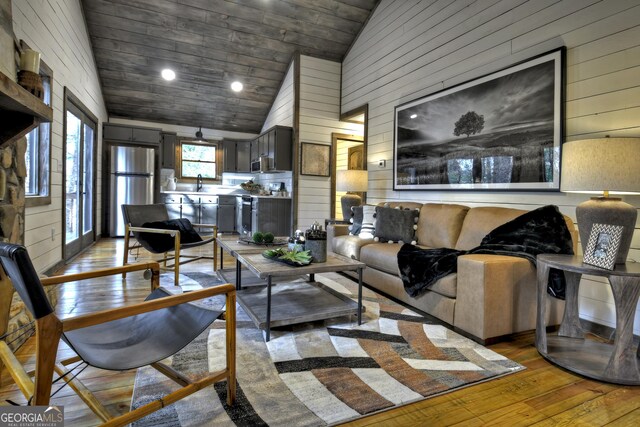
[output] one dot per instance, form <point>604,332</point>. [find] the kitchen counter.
<point>269,197</point>
<point>224,192</point>
<point>220,193</point>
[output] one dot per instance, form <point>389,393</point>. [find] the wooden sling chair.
<point>154,231</point>
<point>117,339</point>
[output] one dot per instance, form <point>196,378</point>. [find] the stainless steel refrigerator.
<point>131,182</point>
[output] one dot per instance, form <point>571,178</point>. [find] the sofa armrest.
<point>335,230</point>
<point>496,296</point>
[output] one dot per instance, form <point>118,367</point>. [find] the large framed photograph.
<point>603,245</point>
<point>315,159</point>
<point>502,131</point>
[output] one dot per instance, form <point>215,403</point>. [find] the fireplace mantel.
<point>20,111</point>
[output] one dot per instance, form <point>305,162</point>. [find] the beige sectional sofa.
<point>490,296</point>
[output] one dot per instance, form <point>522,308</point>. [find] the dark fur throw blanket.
<point>541,231</point>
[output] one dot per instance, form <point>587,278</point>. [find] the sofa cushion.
<point>440,224</point>
<point>349,246</point>
<point>356,220</point>
<point>480,221</point>
<point>396,224</point>
<point>384,257</point>
<point>381,256</point>
<point>447,286</point>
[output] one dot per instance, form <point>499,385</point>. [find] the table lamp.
<point>603,166</point>
<point>351,180</point>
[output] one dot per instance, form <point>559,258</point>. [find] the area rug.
<point>320,373</point>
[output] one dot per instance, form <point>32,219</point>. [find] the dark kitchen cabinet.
<point>229,156</point>
<point>208,213</point>
<point>190,209</point>
<point>243,156</point>
<point>226,214</point>
<point>168,150</point>
<point>198,210</point>
<point>237,156</point>
<point>173,204</point>
<point>137,135</point>
<point>277,145</point>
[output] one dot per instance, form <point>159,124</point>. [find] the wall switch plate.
<point>382,163</point>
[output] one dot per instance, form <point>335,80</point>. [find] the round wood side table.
<point>616,363</point>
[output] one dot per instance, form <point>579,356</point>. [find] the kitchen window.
<point>38,152</point>
<point>198,159</point>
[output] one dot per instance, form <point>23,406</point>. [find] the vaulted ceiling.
<point>209,44</point>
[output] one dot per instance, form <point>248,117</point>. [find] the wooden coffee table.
<point>233,245</point>
<point>295,302</point>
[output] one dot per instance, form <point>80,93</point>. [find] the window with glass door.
<point>37,155</point>
<point>198,159</point>
<point>79,176</point>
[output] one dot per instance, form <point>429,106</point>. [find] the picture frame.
<point>603,245</point>
<point>501,131</point>
<point>315,159</point>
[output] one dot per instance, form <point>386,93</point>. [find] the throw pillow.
<point>356,220</point>
<point>368,217</point>
<point>396,224</point>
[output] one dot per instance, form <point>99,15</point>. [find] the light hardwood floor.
<point>542,395</point>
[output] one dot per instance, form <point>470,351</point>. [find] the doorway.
<point>79,177</point>
<point>349,152</point>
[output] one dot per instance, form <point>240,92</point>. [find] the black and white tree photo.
<point>501,131</point>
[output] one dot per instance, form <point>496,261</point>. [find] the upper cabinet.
<point>20,111</point>
<point>236,156</point>
<point>131,134</point>
<point>168,150</point>
<point>277,145</point>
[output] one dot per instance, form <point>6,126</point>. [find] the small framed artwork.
<point>315,159</point>
<point>603,245</point>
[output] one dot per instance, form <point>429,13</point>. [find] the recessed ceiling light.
<point>168,74</point>
<point>236,86</point>
<point>413,116</point>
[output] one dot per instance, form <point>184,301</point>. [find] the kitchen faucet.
<point>199,182</point>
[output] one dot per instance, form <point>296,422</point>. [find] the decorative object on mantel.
<point>603,166</point>
<point>352,181</point>
<point>603,246</point>
<point>28,76</point>
<point>20,110</point>
<point>30,61</point>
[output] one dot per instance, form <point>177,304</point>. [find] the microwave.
<point>260,165</point>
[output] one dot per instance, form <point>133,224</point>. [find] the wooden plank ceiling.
<point>209,44</point>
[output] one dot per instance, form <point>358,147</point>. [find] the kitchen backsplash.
<point>264,179</point>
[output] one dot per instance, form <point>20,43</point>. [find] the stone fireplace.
<point>14,108</point>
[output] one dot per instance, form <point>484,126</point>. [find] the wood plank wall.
<point>319,118</point>
<point>413,48</point>
<point>281,113</point>
<point>56,28</point>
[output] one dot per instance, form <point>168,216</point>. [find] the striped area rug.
<point>321,373</point>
